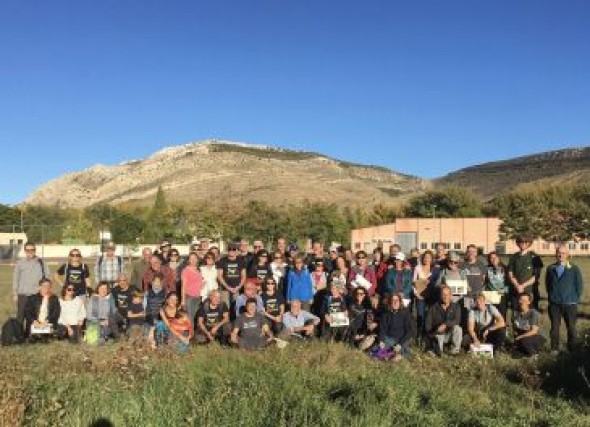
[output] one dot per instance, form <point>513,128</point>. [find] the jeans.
<point>20,310</point>
<point>192,306</point>
<point>62,333</point>
<point>569,312</point>
<point>530,345</point>
<point>496,338</point>
<point>392,342</point>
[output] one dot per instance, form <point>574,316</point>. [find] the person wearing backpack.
<point>75,273</point>
<point>485,325</point>
<point>109,266</point>
<point>28,272</point>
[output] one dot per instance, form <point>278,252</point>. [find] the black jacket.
<point>436,316</point>
<point>397,325</point>
<point>33,307</point>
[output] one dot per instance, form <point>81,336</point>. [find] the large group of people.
<point>436,301</point>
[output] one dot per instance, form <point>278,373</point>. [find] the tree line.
<point>553,213</point>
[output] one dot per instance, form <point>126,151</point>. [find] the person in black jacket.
<point>395,328</point>
<point>443,323</point>
<point>42,309</point>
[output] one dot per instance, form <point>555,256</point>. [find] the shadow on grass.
<point>568,375</point>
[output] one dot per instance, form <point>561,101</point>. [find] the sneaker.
<point>368,342</point>
<point>455,351</point>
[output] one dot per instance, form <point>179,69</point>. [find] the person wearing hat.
<point>399,280</point>
<point>109,266</point>
<point>524,270</point>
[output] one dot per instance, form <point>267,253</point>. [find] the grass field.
<point>66,385</point>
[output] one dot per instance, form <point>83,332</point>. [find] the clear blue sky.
<point>423,87</point>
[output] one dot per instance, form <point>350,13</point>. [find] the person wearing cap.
<point>231,274</point>
<point>109,266</point>
<point>564,290</point>
<point>524,270</point>
<point>485,325</point>
<point>399,280</point>
<point>364,270</point>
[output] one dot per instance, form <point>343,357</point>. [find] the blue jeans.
<point>163,336</point>
<point>392,342</point>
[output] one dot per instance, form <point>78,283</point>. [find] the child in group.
<point>136,318</point>
<point>154,299</point>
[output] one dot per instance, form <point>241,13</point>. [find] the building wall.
<point>457,233</point>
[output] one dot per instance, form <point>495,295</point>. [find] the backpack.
<point>92,333</point>
<point>12,332</point>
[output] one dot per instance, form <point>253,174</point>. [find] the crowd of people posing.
<point>383,303</point>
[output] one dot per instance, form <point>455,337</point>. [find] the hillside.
<point>224,171</point>
<point>550,168</point>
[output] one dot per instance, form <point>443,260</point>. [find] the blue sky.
<point>423,87</point>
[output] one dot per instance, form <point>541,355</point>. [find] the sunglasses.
<point>70,289</point>
<point>75,255</point>
<point>361,257</point>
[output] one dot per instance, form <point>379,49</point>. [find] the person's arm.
<point>59,276</point>
<point>81,312</point>
<point>471,330</point>
<point>15,281</point>
<point>234,335</point>
<point>534,330</point>
<point>455,319</point>
<point>183,288</point>
<point>221,279</point>
<point>201,327</point>
<point>243,278</point>
<point>579,283</point>
<point>164,319</point>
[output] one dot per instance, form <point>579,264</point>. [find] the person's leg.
<point>570,314</point>
<point>420,316</point>
<point>531,345</point>
<point>20,311</point>
<point>502,307</point>
<point>114,325</point>
<point>191,310</point>
<point>555,319</point>
<point>456,335</point>
<point>497,338</point>
<point>61,332</point>
<point>75,337</point>
<point>439,343</point>
<point>536,297</point>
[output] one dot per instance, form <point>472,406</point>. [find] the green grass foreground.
<point>316,384</point>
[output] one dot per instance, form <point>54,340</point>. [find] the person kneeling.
<point>251,332</point>
<point>395,330</point>
<point>335,314</point>
<point>101,310</point>
<point>174,328</point>
<point>485,325</point>
<point>527,339</point>
<point>443,323</point>
<point>213,320</point>
<point>298,323</point>
<point>42,312</point>
<point>72,315</point>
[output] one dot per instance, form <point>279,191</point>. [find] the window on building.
<point>423,246</point>
<point>572,246</point>
<point>357,246</point>
<point>433,246</point>
<point>546,246</point>
<point>447,246</point>
<point>457,246</point>
<point>584,246</point>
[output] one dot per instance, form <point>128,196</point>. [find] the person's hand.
<point>476,343</point>
<point>234,338</point>
<point>210,337</point>
<point>185,340</point>
<point>397,348</point>
<point>37,324</point>
<point>70,331</point>
<point>308,329</point>
<point>441,329</point>
<point>329,319</point>
<point>485,334</point>
<point>214,330</point>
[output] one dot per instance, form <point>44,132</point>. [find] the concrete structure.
<point>455,233</point>
<point>13,239</point>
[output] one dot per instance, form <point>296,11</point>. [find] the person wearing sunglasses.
<point>274,305</point>
<point>278,267</point>
<point>362,320</point>
<point>176,264</point>
<point>71,316</point>
<point>76,273</point>
<point>231,275</point>
<point>25,279</point>
<point>363,274</point>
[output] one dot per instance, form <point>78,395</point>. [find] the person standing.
<point>109,266</point>
<point>231,275</point>
<point>524,270</point>
<point>28,272</point>
<point>139,267</point>
<point>75,273</point>
<point>564,289</point>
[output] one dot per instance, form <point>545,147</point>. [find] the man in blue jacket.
<point>564,289</point>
